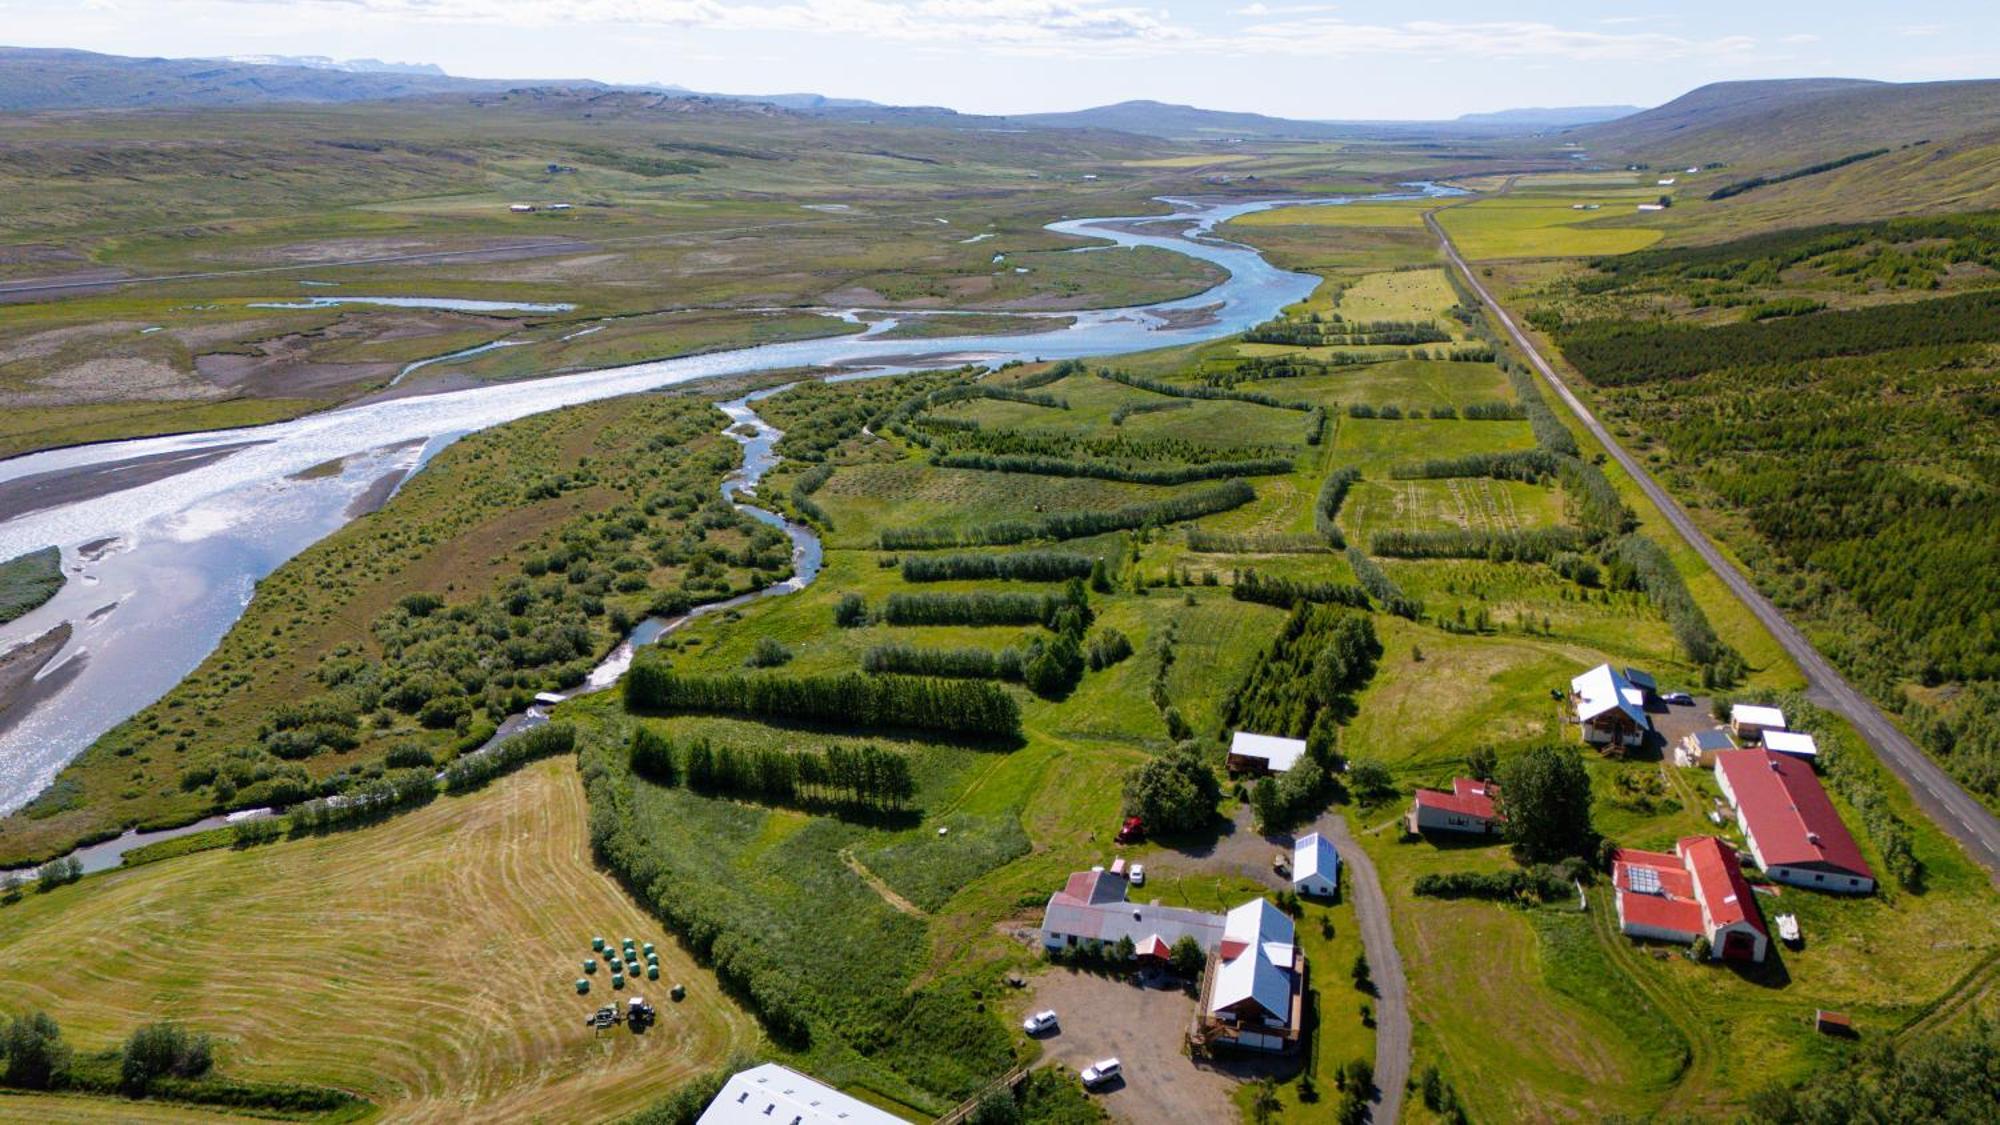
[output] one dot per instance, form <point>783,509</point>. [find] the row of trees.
<point>1326,506</point>
<point>967,707</point>
<point>1539,544</point>
<point>1192,505</point>
<point>1018,566</point>
<point>978,607</point>
<point>834,775</point>
<point>900,657</point>
<point>1738,187</point>
<point>472,771</point>
<point>965,437</point>
<point>1283,592</point>
<point>1106,470</point>
<point>1183,390</point>
<point>1381,587</point>
<point>1322,656</point>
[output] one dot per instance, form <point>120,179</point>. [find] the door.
<point>1738,946</point>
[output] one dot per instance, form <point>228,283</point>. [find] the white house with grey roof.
<point>1091,910</point>
<point>1253,993</point>
<point>774,1095</point>
<point>1610,709</point>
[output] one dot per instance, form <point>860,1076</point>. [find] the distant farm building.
<point>1253,993</point>
<point>1315,866</point>
<point>1091,911</point>
<point>520,208</point>
<point>1697,891</point>
<point>1701,747</point>
<point>1467,808</point>
<point>1610,708</point>
<point>774,1095</point>
<point>1652,206</point>
<point>1790,824</point>
<point>1750,721</point>
<point>1263,753</point>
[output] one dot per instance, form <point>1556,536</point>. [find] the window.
<point>1818,878</point>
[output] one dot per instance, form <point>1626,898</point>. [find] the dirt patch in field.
<point>311,364</point>
<point>123,378</point>
<point>282,378</point>
<point>41,345</point>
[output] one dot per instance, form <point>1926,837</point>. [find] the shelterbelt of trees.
<point>1859,444</point>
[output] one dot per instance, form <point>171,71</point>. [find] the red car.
<point>1135,829</point>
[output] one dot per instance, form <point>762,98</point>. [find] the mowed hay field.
<point>426,964</point>
<point>1546,226</point>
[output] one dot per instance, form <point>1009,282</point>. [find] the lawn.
<point>425,964</point>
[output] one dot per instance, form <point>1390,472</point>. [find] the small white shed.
<point>1315,867</point>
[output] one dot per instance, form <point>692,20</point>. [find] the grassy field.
<point>29,580</point>
<point>425,964</point>
<point>1548,226</point>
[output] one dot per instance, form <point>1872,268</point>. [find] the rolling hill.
<point>1549,116</point>
<point>1161,119</point>
<point>1780,124</point>
<point>38,78</point>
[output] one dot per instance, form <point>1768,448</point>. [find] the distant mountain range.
<point>1550,117</point>
<point>352,66</point>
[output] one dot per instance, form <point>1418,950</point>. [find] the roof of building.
<point>1787,812</point>
<point>1314,855</point>
<point>1468,797</point>
<point>1655,889</point>
<point>775,1095</point>
<point>1715,739</point>
<point>1280,754</point>
<point>1258,944</point>
<point>1639,678</point>
<point>1757,715</point>
<point>1093,905</point>
<point>1719,885</point>
<point>1605,689</point>
<point>1791,742</point>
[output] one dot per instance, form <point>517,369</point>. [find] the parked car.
<point>1133,830</point>
<point>1101,1073</point>
<point>1138,875</point>
<point>1281,863</point>
<point>1040,1022</point>
<point>1680,697</point>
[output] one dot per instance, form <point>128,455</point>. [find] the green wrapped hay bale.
<point>582,985</point>
<point>617,980</point>
<point>590,964</point>
<point>648,947</point>
<point>678,992</point>
<point>653,971</point>
<point>597,944</point>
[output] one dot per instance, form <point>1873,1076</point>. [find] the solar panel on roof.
<point>1644,880</point>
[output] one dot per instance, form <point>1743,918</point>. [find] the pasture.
<point>425,964</point>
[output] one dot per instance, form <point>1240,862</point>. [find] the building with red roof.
<point>1697,891</point>
<point>1467,808</point>
<point>1789,822</point>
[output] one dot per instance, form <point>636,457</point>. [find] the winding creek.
<point>159,569</point>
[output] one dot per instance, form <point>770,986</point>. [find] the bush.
<point>58,873</point>
<point>1020,566</point>
<point>475,770</point>
<point>652,757</point>
<point>1545,796</point>
<point>850,612</point>
<point>1107,646</point>
<point>35,1053</point>
<point>957,663</point>
<point>769,652</point>
<point>159,1050</point>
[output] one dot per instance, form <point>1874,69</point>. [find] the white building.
<point>1610,708</point>
<point>1315,867</point>
<point>1749,721</point>
<point>1253,990</point>
<point>774,1095</point>
<point>1795,743</point>
<point>1092,911</point>
<point>1263,753</point>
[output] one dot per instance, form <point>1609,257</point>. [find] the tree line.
<point>1738,187</point>
<point>1381,587</point>
<point>1308,675</point>
<point>1326,506</point>
<point>1107,470</point>
<point>1074,525</point>
<point>1017,566</point>
<point>967,707</point>
<point>866,776</point>
<point>1539,544</point>
<point>977,607</point>
<point>1183,390</point>
<point>1251,586</point>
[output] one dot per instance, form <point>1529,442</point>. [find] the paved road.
<point>1956,811</point>
<point>1392,992</point>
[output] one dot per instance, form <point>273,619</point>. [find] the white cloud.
<point>1510,39</point>
<point>1920,30</point>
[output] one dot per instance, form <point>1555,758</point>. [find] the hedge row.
<point>1533,545</point>
<point>1381,587</point>
<point>1018,566</point>
<point>1074,525</point>
<point>1287,592</point>
<point>968,707</point>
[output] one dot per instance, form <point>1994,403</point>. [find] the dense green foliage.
<point>1075,525</point>
<point>1174,793</point>
<point>1540,544</point>
<point>474,770</point>
<point>959,663</point>
<point>852,700</point>
<point>1306,680</point>
<point>1326,507</point>
<point>1613,353</point>
<point>1545,797</point>
<point>158,1050</point>
<point>1283,592</point>
<point>28,581</point>
<point>1543,882</point>
<point>35,1053</point>
<point>862,777</point>
<point>979,607</point>
<point>1184,390</point>
<point>1018,566</point>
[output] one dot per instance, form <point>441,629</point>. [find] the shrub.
<point>159,1050</point>
<point>475,770</point>
<point>851,611</point>
<point>36,1055</point>
<point>1173,793</point>
<point>769,652</point>
<point>1107,646</point>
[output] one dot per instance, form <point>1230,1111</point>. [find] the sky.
<point>1432,59</point>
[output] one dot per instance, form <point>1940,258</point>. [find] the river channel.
<point>159,571</point>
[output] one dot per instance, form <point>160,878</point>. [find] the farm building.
<point>1696,891</point>
<point>1091,910</point>
<point>1315,866</point>
<point>771,1093</point>
<point>1789,822</point>
<point>1610,709</point>
<point>1750,721</point>
<point>520,208</point>
<point>1794,743</point>
<point>1652,206</point>
<point>1253,993</point>
<point>1701,747</point>
<point>1263,753</point>
<point>1467,808</point>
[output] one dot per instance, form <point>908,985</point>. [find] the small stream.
<point>759,458</point>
